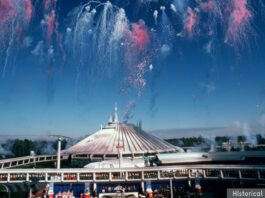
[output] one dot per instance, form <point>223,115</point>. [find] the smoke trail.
<point>155,15</point>
<point>101,37</point>
<point>8,51</point>
<point>154,93</point>
<point>120,26</point>
<point>59,39</point>
<point>117,37</point>
<point>82,36</point>
<point>166,32</point>
<point>209,87</point>
<point>50,88</point>
<point>46,147</point>
<point>38,50</point>
<point>164,16</point>
<point>180,4</point>
<point>5,148</point>
<point>247,130</point>
<point>209,47</point>
<point>173,7</point>
<point>128,112</point>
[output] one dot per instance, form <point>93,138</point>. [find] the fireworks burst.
<point>103,37</point>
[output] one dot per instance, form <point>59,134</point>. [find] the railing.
<point>22,161</point>
<point>189,172</point>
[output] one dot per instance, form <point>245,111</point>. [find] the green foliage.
<point>186,141</point>
<point>260,139</point>
<point>23,147</point>
<point>2,188</point>
<point>41,144</point>
<point>221,139</point>
<point>241,138</point>
<point>63,144</point>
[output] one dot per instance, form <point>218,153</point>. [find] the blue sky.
<point>186,86</point>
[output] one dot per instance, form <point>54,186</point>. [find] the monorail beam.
<point>216,172</point>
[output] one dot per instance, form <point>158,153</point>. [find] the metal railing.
<point>159,173</point>
<point>21,161</point>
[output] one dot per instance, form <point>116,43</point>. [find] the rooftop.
<point>118,137</point>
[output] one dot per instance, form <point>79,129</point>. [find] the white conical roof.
<point>116,137</point>
<point>131,140</point>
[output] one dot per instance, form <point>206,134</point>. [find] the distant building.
<point>116,138</point>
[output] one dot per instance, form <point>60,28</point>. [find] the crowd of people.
<point>159,192</point>
<point>43,193</point>
<point>65,194</point>
<point>119,188</point>
<point>164,192</point>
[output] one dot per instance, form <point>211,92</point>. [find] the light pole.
<point>59,145</point>
<point>171,187</point>
<point>120,154</point>
<point>59,153</point>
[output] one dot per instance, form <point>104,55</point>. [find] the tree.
<point>260,139</point>
<point>221,139</point>
<point>23,147</point>
<point>241,138</point>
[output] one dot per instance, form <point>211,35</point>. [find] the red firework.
<point>138,37</point>
<point>239,19</point>
<point>7,12</point>
<point>29,10</point>
<point>210,5</point>
<point>47,4</point>
<point>190,21</point>
<point>51,23</point>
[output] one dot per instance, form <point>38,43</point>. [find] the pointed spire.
<point>116,117</point>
